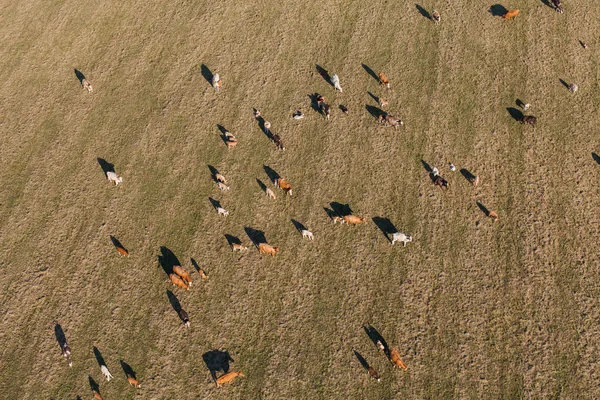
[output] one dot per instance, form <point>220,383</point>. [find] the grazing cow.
<point>97,395</point>
<point>203,274</point>
<point>396,360</point>
<point>336,82</point>
<point>177,281</point>
<point>573,87</point>
<point>584,45</point>
<point>344,109</point>
<point>436,17</point>
<point>382,102</point>
<point>223,186</point>
<point>474,180</point>
<point>528,119</point>
<point>66,352</point>
<point>493,215</point>
<point>298,115</point>
<point>511,14</point>
<point>216,82</point>
<point>325,109</point>
<point>270,193</point>
<point>134,382</point>
<point>122,251</point>
<point>220,178</point>
<point>338,219</point>
<point>106,373</point>
<point>307,234</point>
<point>374,374</point>
<point>87,85</point>
<point>222,211</point>
<point>278,142</point>
<point>283,184</point>
<point>401,237</point>
<point>184,317</point>
<point>228,377</point>
<point>390,120</point>
<point>113,177</point>
<point>265,248</point>
<point>441,182</point>
<point>231,143</point>
<point>238,247</point>
<point>383,80</point>
<point>183,274</point>
<point>353,219</point>
<point>558,6</point>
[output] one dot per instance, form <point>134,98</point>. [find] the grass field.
<point>477,309</point>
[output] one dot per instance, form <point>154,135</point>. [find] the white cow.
<point>307,234</point>
<point>113,177</point>
<point>336,82</point>
<point>222,211</point>
<point>401,237</point>
<point>106,373</point>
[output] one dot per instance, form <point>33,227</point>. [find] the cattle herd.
<point>179,277</point>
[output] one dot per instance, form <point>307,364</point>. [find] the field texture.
<point>477,309</point>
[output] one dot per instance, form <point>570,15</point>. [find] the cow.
<point>325,110</point>
<point>134,382</point>
<point>66,352</point>
<point>307,234</point>
<point>298,115</point>
<point>183,274</point>
<point>528,119</point>
<point>231,143</point>
<point>177,281</point>
<point>493,215</point>
<point>106,373</point>
<point>382,102</point>
<point>474,180</point>
<point>396,360</point>
<point>344,109</point>
<point>265,248</point>
<point>122,251</point>
<point>278,142</point>
<point>184,317</point>
<point>374,374</point>
<point>216,82</point>
<point>222,211</point>
<point>401,237</point>
<point>390,120</point>
<point>203,274</point>
<point>441,182</point>
<point>337,219</point>
<point>511,14</point>
<point>223,186</point>
<point>573,87</point>
<point>97,395</point>
<point>113,177</point>
<point>220,178</point>
<point>87,85</point>
<point>353,219</point>
<point>228,377</point>
<point>436,17</point>
<point>270,193</point>
<point>336,82</point>
<point>380,346</point>
<point>238,247</point>
<point>558,6</point>
<point>283,184</point>
<point>383,80</point>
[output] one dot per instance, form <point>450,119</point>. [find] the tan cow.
<point>183,274</point>
<point>270,193</point>
<point>493,215</point>
<point>203,274</point>
<point>97,395</point>
<point>231,143</point>
<point>238,247</point>
<point>265,248</point>
<point>511,14</point>
<point>228,377</point>
<point>87,85</point>
<point>175,280</point>
<point>396,360</point>
<point>220,178</point>
<point>283,184</point>
<point>134,382</point>
<point>353,219</point>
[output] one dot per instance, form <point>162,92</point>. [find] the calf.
<point>401,237</point>
<point>307,234</point>
<point>337,219</point>
<point>66,352</point>
<point>87,85</point>
<point>390,120</point>
<point>223,186</point>
<point>270,193</point>
<point>396,360</point>
<point>528,119</point>
<point>97,395</point>
<point>265,248</point>
<point>238,247</point>
<point>573,87</point>
<point>203,274</point>
<point>325,110</point>
<point>353,219</point>
<point>336,82</point>
<point>113,177</point>
<point>374,374</point>
<point>511,14</point>
<point>283,184</point>
<point>106,373</point>
<point>493,215</point>
<point>228,377</point>
<point>216,82</point>
<point>183,274</point>
<point>220,178</point>
<point>177,281</point>
<point>222,211</point>
<point>436,17</point>
<point>382,102</point>
<point>134,382</point>
<point>380,346</point>
<point>184,317</point>
<point>383,80</point>
<point>278,142</point>
<point>558,6</point>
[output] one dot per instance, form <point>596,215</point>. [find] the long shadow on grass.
<point>483,209</point>
<point>167,260</point>
<point>323,72</point>
<point>94,385</point>
<point>79,75</point>
<point>129,372</point>
<point>515,113</point>
<point>565,84</point>
<point>298,225</point>
<point>271,173</point>
<point>106,166</point>
<point>217,360</point>
<point>424,12</point>
<point>375,337</point>
<point>99,357</point>
<point>468,175</point>
<point>231,240</point>
<point>60,335</point>
<point>596,157</point>
<point>207,74</point>
<point>375,111</point>
<point>370,71</point>
<point>385,226</point>
<point>256,236</point>
<point>340,209</point>
<point>117,243</point>
<point>498,10</point>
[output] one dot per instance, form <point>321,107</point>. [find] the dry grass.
<point>477,309</point>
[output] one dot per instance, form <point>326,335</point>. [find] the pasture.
<point>477,309</point>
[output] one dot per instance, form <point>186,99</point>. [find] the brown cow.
<point>265,248</point>
<point>528,119</point>
<point>511,14</point>
<point>353,219</point>
<point>558,6</point>
<point>374,374</point>
<point>122,251</point>
<point>175,280</point>
<point>133,382</point>
<point>278,142</point>
<point>203,274</point>
<point>283,184</point>
<point>390,120</point>
<point>231,143</point>
<point>441,182</point>
<point>228,377</point>
<point>395,358</point>
<point>183,315</point>
<point>383,80</point>
<point>493,215</point>
<point>436,17</point>
<point>183,274</point>
<point>97,395</point>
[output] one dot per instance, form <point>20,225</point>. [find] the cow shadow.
<point>271,173</point>
<point>262,186</point>
<point>94,385</point>
<point>427,166</point>
<point>515,113</point>
<point>376,112</point>
<point>596,157</point>
<point>256,236</point>
<point>116,242</point>
<point>106,166</point>
<point>339,209</point>
<point>581,43</point>
<point>298,225</point>
<point>206,73</point>
<point>129,372</point>
<point>195,265</point>
<point>375,98</point>
<point>313,102</point>
<point>375,337</point>
<point>547,3</point>
<point>424,12</point>
<point>60,335</point>
<point>385,226</point>
<point>362,360</point>
<point>261,124</point>
<point>498,10</point>
<point>217,360</point>
<point>213,171</point>
<point>167,260</point>
<point>231,240</point>
<point>483,209</point>
<point>99,357</point>
<point>215,203</point>
<point>520,103</point>
<point>467,174</point>
<point>323,72</point>
<point>223,134</point>
<point>565,84</point>
<point>79,75</point>
<point>174,302</point>
<point>370,72</point>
